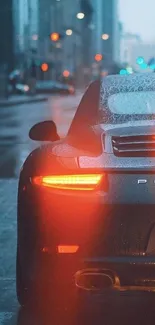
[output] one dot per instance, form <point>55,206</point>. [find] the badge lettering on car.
<point>142,181</point>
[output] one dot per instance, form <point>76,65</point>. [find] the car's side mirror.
<point>44,131</point>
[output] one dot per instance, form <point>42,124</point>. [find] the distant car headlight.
<point>26,88</point>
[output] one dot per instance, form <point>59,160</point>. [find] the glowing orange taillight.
<point>67,249</point>
<point>83,182</point>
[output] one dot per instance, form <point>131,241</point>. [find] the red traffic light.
<point>98,57</point>
<point>54,37</point>
<point>44,67</point>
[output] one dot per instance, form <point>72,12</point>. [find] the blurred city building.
<point>67,35</point>
<point>25,13</point>
<point>6,34</point>
<point>128,42</point>
<point>140,56</point>
<point>72,51</point>
<point>86,28</point>
<point>135,53</point>
<point>106,37</point>
<point>72,29</point>
<point>120,34</point>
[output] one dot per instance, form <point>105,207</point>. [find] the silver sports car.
<point>86,203</point>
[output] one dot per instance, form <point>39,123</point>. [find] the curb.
<point>22,102</point>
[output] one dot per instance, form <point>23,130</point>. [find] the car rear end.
<point>90,218</point>
<point>94,224</point>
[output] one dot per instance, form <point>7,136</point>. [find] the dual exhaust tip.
<point>96,280</point>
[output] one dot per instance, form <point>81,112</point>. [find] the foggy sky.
<point>139,17</point>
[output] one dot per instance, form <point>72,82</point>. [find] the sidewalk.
<point>21,99</point>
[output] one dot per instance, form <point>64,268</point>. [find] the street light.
<point>98,57</point>
<point>54,37</point>
<point>80,15</point>
<point>44,67</point>
<point>69,32</point>
<point>105,37</point>
<point>66,73</point>
<point>123,72</point>
<point>129,70</point>
<point>140,60</point>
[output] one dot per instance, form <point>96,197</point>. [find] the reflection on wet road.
<point>15,122</point>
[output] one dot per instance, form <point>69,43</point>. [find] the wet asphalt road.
<point>15,145</point>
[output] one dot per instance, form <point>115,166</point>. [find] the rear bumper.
<point>47,220</point>
<point>98,229</point>
<point>130,274</point>
<point>93,306</point>
<point>110,236</point>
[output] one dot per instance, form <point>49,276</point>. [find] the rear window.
<point>123,107</point>
<point>132,103</point>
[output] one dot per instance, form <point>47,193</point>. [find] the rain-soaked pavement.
<point>15,145</point>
